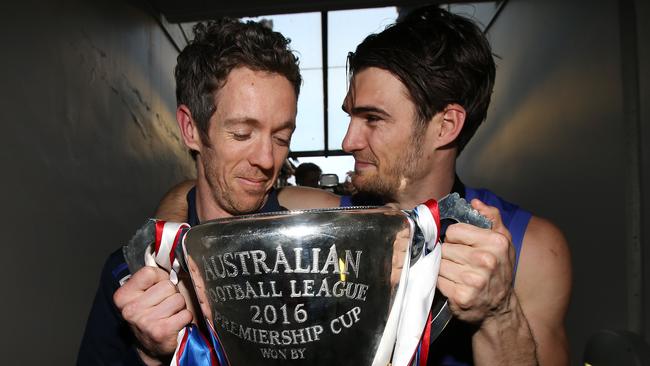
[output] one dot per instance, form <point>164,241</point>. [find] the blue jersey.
<point>108,339</point>
<point>454,345</point>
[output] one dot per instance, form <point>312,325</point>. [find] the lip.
<point>253,184</point>
<point>362,165</point>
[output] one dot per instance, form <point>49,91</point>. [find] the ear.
<point>453,120</point>
<point>189,130</point>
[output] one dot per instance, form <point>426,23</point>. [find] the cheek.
<point>385,149</point>
<point>221,164</point>
<point>280,154</point>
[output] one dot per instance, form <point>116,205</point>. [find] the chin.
<point>250,205</point>
<point>374,186</point>
<point>363,182</point>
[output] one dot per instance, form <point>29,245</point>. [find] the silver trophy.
<point>308,287</point>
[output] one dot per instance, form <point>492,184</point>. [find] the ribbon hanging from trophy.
<point>411,308</point>
<point>193,348</point>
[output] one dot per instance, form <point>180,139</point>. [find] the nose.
<point>354,139</point>
<point>261,154</point>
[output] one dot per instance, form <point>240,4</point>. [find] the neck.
<point>206,208</point>
<point>435,183</point>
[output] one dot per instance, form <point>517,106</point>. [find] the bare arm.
<point>301,198</point>
<point>173,206</point>
<point>520,325</point>
<point>530,330</point>
<point>543,287</point>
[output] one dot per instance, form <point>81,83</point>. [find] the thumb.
<point>492,213</point>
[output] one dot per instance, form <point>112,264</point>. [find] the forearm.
<point>505,339</point>
<point>173,206</point>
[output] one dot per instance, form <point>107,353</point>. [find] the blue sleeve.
<point>108,340</point>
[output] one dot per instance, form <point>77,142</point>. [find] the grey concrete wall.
<point>643,27</point>
<point>89,144</point>
<point>555,142</point>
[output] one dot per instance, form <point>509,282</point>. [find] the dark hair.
<point>302,172</point>
<point>441,58</point>
<point>220,46</point>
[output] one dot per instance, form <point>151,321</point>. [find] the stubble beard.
<point>225,198</point>
<point>391,177</point>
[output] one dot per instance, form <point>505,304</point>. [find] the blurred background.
<point>90,143</point>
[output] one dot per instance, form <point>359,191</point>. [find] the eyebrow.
<point>365,109</point>
<point>243,120</point>
<point>254,122</point>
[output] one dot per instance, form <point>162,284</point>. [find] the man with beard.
<point>237,89</point>
<point>418,92</point>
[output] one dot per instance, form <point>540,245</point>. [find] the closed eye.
<point>241,136</point>
<point>282,141</point>
<point>283,137</point>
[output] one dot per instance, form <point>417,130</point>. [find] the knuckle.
<point>119,297</point>
<point>146,272</point>
<point>158,333</point>
<point>177,300</point>
<point>486,260</point>
<point>169,287</point>
<point>474,280</point>
<point>130,311</point>
<point>186,316</point>
<point>463,298</point>
<point>451,232</point>
<point>501,243</point>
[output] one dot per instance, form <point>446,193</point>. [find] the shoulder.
<point>298,198</point>
<point>544,240</point>
<point>173,206</point>
<point>544,272</point>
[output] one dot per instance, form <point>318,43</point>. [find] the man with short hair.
<point>237,86</point>
<point>418,92</point>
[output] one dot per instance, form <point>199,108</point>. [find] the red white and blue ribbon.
<point>162,253</point>
<point>429,231</point>
<point>411,310</point>
<point>193,348</point>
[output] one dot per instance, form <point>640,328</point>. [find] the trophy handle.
<point>454,207</point>
<point>134,251</point>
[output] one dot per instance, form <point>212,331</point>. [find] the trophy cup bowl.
<point>301,287</point>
